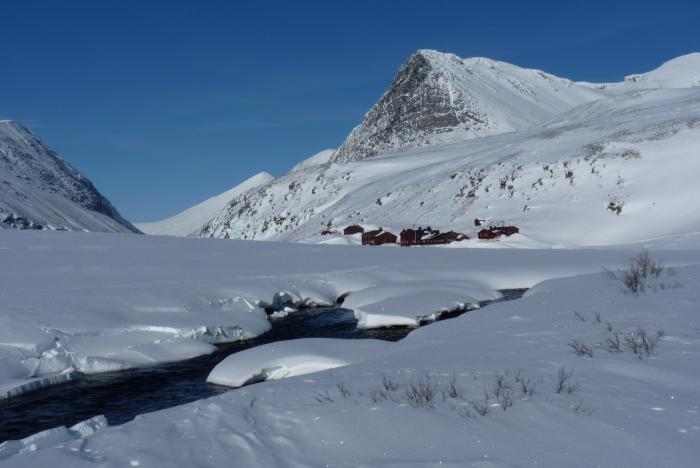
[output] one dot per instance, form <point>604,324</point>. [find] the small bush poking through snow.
<point>324,397</point>
<point>420,394</point>
<point>526,386</point>
<point>343,390</point>
<point>481,406</point>
<point>503,391</point>
<point>389,385</point>
<point>637,275</point>
<point>451,389</point>
<point>613,343</point>
<point>563,382</point>
<point>640,342</point>
<point>581,349</point>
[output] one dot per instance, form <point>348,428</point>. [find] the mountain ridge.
<point>41,190</point>
<point>555,178</point>
<point>438,97</point>
<point>190,221</point>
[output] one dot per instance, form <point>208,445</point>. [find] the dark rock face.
<point>422,102</point>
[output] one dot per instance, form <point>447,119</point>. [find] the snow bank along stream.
<point>93,303</point>
<point>120,396</point>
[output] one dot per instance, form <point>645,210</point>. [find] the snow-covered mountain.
<point>595,164</point>
<point>438,98</point>
<point>40,190</point>
<point>191,221</point>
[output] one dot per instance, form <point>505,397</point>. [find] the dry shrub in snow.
<point>640,342</point>
<point>503,391</point>
<point>343,390</point>
<point>451,389</point>
<point>389,385</point>
<point>613,343</point>
<point>481,406</point>
<point>563,382</point>
<point>526,386</point>
<point>324,397</point>
<point>581,349</point>
<point>639,271</point>
<point>420,394</point>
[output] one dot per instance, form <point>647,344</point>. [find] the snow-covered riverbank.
<point>98,302</point>
<point>617,409</point>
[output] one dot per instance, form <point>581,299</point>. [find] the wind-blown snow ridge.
<point>680,72</point>
<point>291,358</point>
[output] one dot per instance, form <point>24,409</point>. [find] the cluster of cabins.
<point>497,231</point>
<point>422,236</point>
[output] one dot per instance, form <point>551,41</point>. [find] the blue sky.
<point>163,104</point>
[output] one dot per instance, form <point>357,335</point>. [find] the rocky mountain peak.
<point>422,102</point>
<point>438,97</point>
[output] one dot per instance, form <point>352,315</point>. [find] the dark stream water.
<point>120,396</point>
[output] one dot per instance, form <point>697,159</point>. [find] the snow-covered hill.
<point>618,167</point>
<point>40,190</point>
<point>680,72</point>
<point>191,221</point>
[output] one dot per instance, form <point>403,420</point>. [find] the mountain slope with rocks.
<point>40,190</point>
<point>605,171</point>
<point>190,221</point>
<point>437,98</point>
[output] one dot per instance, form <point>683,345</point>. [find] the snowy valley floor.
<point>89,303</point>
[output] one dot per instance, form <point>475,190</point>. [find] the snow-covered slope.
<point>318,159</point>
<point>617,169</point>
<point>438,97</point>
<point>680,72</point>
<point>191,221</point>
<point>40,190</point>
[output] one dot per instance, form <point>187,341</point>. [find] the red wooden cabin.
<point>378,237</point>
<point>456,236</point>
<point>417,236</point>
<point>354,229</point>
<point>487,234</point>
<point>505,230</point>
